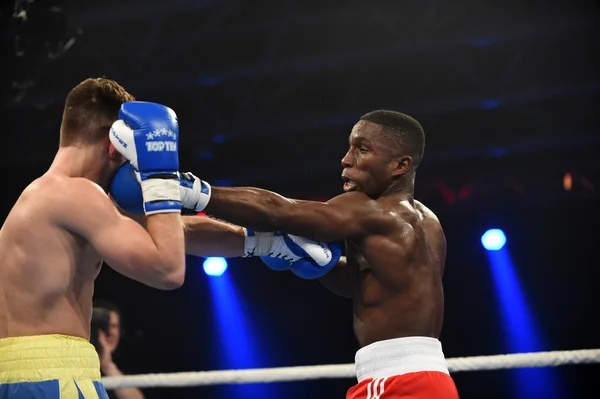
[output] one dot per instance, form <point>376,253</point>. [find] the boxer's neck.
<point>90,162</point>
<point>403,187</point>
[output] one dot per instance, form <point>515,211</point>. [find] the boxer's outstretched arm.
<point>154,256</point>
<point>209,237</point>
<point>205,236</point>
<point>350,215</point>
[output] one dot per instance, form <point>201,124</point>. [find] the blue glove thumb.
<point>126,191</point>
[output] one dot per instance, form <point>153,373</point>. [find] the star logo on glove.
<point>162,132</point>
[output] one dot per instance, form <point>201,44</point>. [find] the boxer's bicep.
<point>140,254</point>
<point>318,221</point>
<point>121,242</point>
<point>347,216</point>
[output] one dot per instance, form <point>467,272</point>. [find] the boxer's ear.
<point>112,152</point>
<point>401,165</point>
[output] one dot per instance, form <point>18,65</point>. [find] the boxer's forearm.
<point>254,208</point>
<point>209,237</point>
<point>165,229</point>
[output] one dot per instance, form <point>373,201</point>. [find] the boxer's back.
<point>46,273</point>
<point>399,291</point>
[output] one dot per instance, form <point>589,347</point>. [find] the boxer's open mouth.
<point>349,184</point>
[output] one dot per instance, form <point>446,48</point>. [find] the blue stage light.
<point>493,239</point>
<point>215,266</point>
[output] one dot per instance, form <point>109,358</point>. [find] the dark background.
<point>267,92</point>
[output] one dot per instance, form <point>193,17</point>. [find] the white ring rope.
<point>472,363</point>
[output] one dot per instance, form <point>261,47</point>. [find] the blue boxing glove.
<point>126,191</point>
<point>147,135</point>
<point>281,251</point>
<point>306,258</point>
<point>312,267</point>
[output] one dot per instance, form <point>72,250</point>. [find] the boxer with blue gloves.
<point>63,247</point>
<point>395,254</point>
<point>208,237</point>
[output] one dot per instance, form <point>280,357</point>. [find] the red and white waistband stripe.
<point>375,388</point>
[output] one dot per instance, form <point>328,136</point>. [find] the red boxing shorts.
<point>410,368</point>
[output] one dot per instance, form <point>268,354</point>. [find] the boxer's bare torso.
<point>46,272</point>
<point>64,223</point>
<point>395,279</point>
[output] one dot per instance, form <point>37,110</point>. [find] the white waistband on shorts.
<point>400,356</point>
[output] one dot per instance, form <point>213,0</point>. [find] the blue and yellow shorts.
<point>49,367</point>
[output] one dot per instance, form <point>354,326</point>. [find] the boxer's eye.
<point>364,149</point>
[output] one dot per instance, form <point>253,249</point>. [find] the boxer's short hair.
<point>404,130</point>
<point>90,109</point>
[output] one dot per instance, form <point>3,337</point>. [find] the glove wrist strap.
<point>161,194</point>
<point>195,193</point>
<point>203,193</point>
<point>257,243</point>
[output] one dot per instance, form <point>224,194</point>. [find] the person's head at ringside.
<point>90,109</point>
<point>113,335</point>
<point>386,148</point>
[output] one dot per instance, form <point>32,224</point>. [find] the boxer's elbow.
<point>165,279</point>
<point>162,272</point>
<point>151,268</point>
<point>172,281</point>
<point>163,282</point>
<point>171,273</point>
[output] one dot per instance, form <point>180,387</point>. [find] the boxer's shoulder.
<point>426,212</point>
<point>352,198</point>
<point>418,217</point>
<point>54,185</point>
<point>360,205</point>
<point>407,214</point>
<point>71,189</point>
<point>62,196</point>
